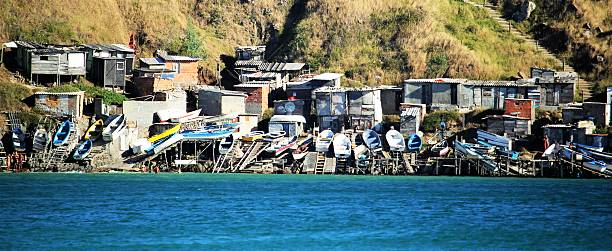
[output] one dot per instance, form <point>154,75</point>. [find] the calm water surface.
<point>287,212</point>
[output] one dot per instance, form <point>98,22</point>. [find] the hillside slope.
<point>578,30</point>
<point>372,42</point>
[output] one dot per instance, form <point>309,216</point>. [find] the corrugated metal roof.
<point>109,47</point>
<point>152,61</point>
<point>251,63</point>
<point>437,80</point>
<point>328,76</point>
<point>255,84</point>
<point>262,75</point>
<point>224,92</point>
<point>61,93</point>
<point>179,58</point>
<point>557,126</point>
<point>281,66</point>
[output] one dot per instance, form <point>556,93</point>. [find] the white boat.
<point>281,145</point>
<point>274,136</point>
<point>395,140</point>
<point>342,146</point>
<point>226,145</point>
<point>324,140</point>
<point>41,139</point>
<point>139,146</point>
<point>186,116</point>
<point>372,140</point>
<point>211,132</point>
<point>113,128</point>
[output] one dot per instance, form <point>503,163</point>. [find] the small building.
<point>292,125</point>
<point>108,71</point>
<point>331,108</point>
<point>249,58</point>
<point>364,107</point>
<point>60,104</point>
<point>523,108</point>
<point>214,102</point>
<point>143,112</point>
<point>185,69</point>
<point>558,133</point>
<point>410,120</point>
<point>556,88</point>
<point>257,96</point>
<point>435,93</point>
<point>599,112</point>
<point>108,51</point>
<point>36,60</point>
<point>509,126</point>
<point>391,99</point>
<point>273,79</point>
<point>572,114</point>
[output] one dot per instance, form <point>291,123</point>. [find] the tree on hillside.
<point>192,45</point>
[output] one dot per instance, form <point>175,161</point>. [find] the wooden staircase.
<point>3,157</point>
<point>585,88</point>
<point>252,151</point>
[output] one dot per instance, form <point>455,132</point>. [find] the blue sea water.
<point>299,212</point>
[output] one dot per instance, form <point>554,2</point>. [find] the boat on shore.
<point>41,140</point>
<point>342,146</point>
<point>372,140</point>
<point>165,133</point>
<point>414,143</point>
<point>114,127</point>
<point>301,147</point>
<point>211,132</point>
<point>282,145</point>
<point>19,140</point>
<point>324,140</point>
<point>83,150</point>
<point>63,133</point>
<point>467,151</point>
<point>595,154</point>
<point>94,131</point>
<point>589,148</point>
<point>226,144</point>
<point>440,149</point>
<point>274,136</point>
<point>395,140</point>
<point>186,116</point>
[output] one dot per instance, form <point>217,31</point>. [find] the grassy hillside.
<point>370,41</point>
<point>562,25</point>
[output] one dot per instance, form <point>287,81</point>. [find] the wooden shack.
<point>364,107</point>
<point>39,62</point>
<point>108,71</point>
<point>291,107</point>
<point>286,70</point>
<point>60,104</point>
<point>556,88</point>
<point>510,126</point>
<point>331,108</point>
<point>108,51</point>
<point>410,120</point>
<point>558,133</point>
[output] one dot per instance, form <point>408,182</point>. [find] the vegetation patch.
<point>108,97</point>
<point>432,120</point>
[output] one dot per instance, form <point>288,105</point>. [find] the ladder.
<point>342,165</point>
<point>3,157</point>
<point>14,121</point>
<point>61,153</point>
<point>398,163</point>
<point>320,166</point>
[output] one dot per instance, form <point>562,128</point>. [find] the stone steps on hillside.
<point>584,86</point>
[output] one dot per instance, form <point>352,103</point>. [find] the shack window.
<point>120,66</point>
<point>176,67</point>
<point>45,58</point>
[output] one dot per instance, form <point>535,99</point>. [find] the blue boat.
<point>372,140</point>
<point>414,143</point>
<point>63,133</point>
<point>83,150</point>
<point>19,140</point>
<point>211,132</point>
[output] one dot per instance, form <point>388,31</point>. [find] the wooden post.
<point>437,166</point>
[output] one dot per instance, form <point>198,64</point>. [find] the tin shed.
<point>109,71</point>
<point>60,104</point>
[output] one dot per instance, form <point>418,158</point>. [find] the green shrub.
<point>108,97</point>
<point>11,96</point>
<point>431,123</point>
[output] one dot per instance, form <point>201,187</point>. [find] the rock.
<point>524,11</point>
<point>587,26</point>
<point>587,34</point>
<point>600,58</point>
